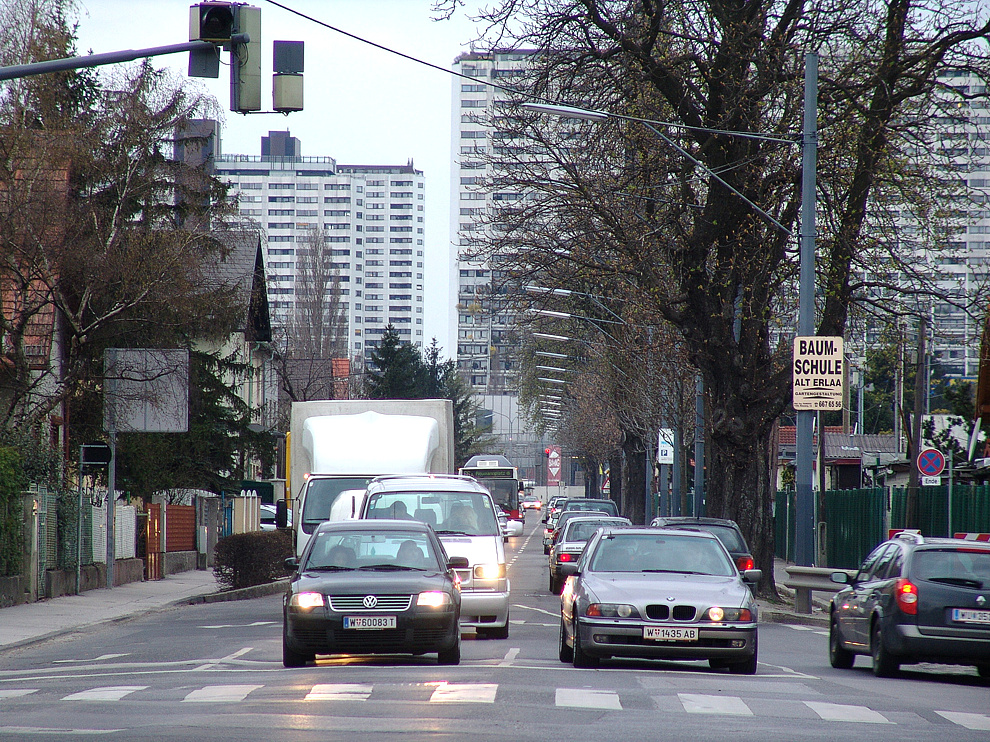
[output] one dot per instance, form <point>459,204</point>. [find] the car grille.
<point>311,635</point>
<point>396,640</point>
<point>664,613</point>
<point>356,603</point>
<point>638,641</point>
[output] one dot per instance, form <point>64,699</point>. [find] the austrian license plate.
<point>670,634</point>
<point>369,622</point>
<point>966,615</point>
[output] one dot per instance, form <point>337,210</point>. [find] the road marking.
<point>97,659</point>
<point>108,693</point>
<point>696,703</point>
<point>17,692</point>
<point>339,692</point>
<point>538,610</point>
<point>221,693</point>
<point>510,656</point>
<point>238,625</point>
<point>213,663</point>
<point>465,693</point>
<point>48,731</point>
<point>976,722</point>
<point>843,712</point>
<point>588,699</point>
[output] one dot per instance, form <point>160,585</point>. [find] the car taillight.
<point>565,557</point>
<point>906,595</point>
<point>744,563</point>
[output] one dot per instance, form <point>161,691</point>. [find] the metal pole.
<point>677,474</point>
<point>111,501</point>
<point>96,60</point>
<point>950,457</point>
<point>804,538</point>
<point>79,527</point>
<point>699,447</point>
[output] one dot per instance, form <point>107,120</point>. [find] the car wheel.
<point>983,670</point>
<point>291,658</point>
<point>555,585</point>
<point>451,656</point>
<point>582,658</point>
<point>838,656</point>
<point>748,666</point>
<point>546,550</point>
<point>564,652</point>
<point>496,632</point>
<point>885,665</point>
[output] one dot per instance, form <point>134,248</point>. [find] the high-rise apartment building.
<point>371,218</point>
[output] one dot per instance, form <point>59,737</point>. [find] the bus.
<point>501,478</point>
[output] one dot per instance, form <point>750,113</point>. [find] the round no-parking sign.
<point>931,462</point>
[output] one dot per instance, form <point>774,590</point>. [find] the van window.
<point>468,513</point>
<point>320,496</point>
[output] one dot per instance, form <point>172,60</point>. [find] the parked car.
<point>569,545</point>
<point>659,593</point>
<point>914,599</point>
<point>372,587</point>
<point>727,531</point>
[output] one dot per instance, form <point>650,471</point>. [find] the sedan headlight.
<point>433,599</point>
<point>306,601</point>
<point>489,571</point>
<point>611,610</point>
<point>720,615</point>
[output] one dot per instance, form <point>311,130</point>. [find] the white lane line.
<point>510,656</point>
<point>221,693</point>
<point>844,712</point>
<point>213,663</point>
<point>49,731</point>
<point>584,698</point>
<point>800,627</point>
<point>465,693</point>
<point>696,703</point>
<point>339,692</point>
<point>96,659</point>
<point>17,692</point>
<point>107,693</point>
<point>976,722</point>
<point>538,610</point>
<point>237,625</point>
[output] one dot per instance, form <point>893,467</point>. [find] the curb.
<point>244,593</point>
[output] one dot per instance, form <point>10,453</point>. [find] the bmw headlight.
<point>611,610</point>
<point>306,601</point>
<point>718,614</point>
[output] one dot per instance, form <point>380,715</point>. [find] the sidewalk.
<point>784,612</point>
<point>33,622</point>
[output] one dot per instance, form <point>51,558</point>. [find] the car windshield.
<point>321,494</point>
<point>467,513</point>
<point>953,566</point>
<point>582,530</point>
<point>661,553</point>
<point>381,550</point>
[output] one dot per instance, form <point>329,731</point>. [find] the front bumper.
<point>604,638</point>
<point>323,632</point>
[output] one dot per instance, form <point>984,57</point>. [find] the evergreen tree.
<point>397,370</point>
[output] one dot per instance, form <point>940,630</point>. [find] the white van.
<point>462,512</point>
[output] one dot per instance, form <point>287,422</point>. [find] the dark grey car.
<point>661,594</point>
<point>569,545</point>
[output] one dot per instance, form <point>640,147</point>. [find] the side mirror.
<point>458,562</point>
<point>291,564</point>
<point>752,576</point>
<point>841,578</point>
<point>281,514</point>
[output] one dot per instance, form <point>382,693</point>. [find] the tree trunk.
<point>615,478</point>
<point>633,503</point>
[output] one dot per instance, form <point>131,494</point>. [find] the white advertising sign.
<point>818,373</point>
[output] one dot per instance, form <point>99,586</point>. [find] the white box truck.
<point>337,446</point>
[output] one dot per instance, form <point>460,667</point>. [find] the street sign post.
<point>818,373</point>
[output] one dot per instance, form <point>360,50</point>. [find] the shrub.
<point>11,512</point>
<point>256,558</point>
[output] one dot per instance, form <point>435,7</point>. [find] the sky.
<point>362,105</point>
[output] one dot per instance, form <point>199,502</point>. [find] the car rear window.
<point>729,537</point>
<point>953,565</point>
<point>585,529</point>
<point>606,506</point>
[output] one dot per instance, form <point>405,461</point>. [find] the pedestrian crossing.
<point>443,692</point>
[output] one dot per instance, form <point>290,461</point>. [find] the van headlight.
<point>489,571</point>
<point>306,601</point>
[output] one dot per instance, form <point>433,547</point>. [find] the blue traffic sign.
<point>931,462</point>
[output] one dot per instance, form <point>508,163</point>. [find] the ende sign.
<point>818,374</point>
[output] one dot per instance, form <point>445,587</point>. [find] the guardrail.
<point>804,580</point>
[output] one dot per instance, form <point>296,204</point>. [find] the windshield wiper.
<point>387,567</point>
<point>676,571</point>
<point>961,581</point>
<point>327,568</point>
<point>452,533</point>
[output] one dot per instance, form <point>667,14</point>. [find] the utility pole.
<point>911,516</point>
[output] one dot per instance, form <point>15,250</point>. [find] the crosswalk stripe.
<point>844,712</point>
<point>108,693</point>
<point>588,699</point>
<point>976,722</point>
<point>221,693</point>
<point>696,703</point>
<point>16,692</point>
<point>465,693</point>
<point>339,692</point>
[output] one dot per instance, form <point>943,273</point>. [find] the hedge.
<point>256,558</point>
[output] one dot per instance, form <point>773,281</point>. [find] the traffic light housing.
<point>211,21</point>
<point>245,61</point>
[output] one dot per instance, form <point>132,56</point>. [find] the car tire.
<point>555,585</point>
<point>496,632</point>
<point>885,665</point>
<point>581,658</point>
<point>983,671</point>
<point>546,551</point>
<point>564,652</point>
<point>452,655</point>
<point>838,656</point>
<point>748,666</point>
<point>291,658</point>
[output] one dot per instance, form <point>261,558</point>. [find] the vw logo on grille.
<point>370,601</point>
<point>981,601</point>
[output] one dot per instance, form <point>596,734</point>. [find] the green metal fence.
<point>854,524</point>
<point>970,509</point>
<point>783,523</point>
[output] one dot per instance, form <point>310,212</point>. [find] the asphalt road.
<point>214,672</point>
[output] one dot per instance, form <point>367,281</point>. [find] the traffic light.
<point>245,61</point>
<point>212,22</point>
